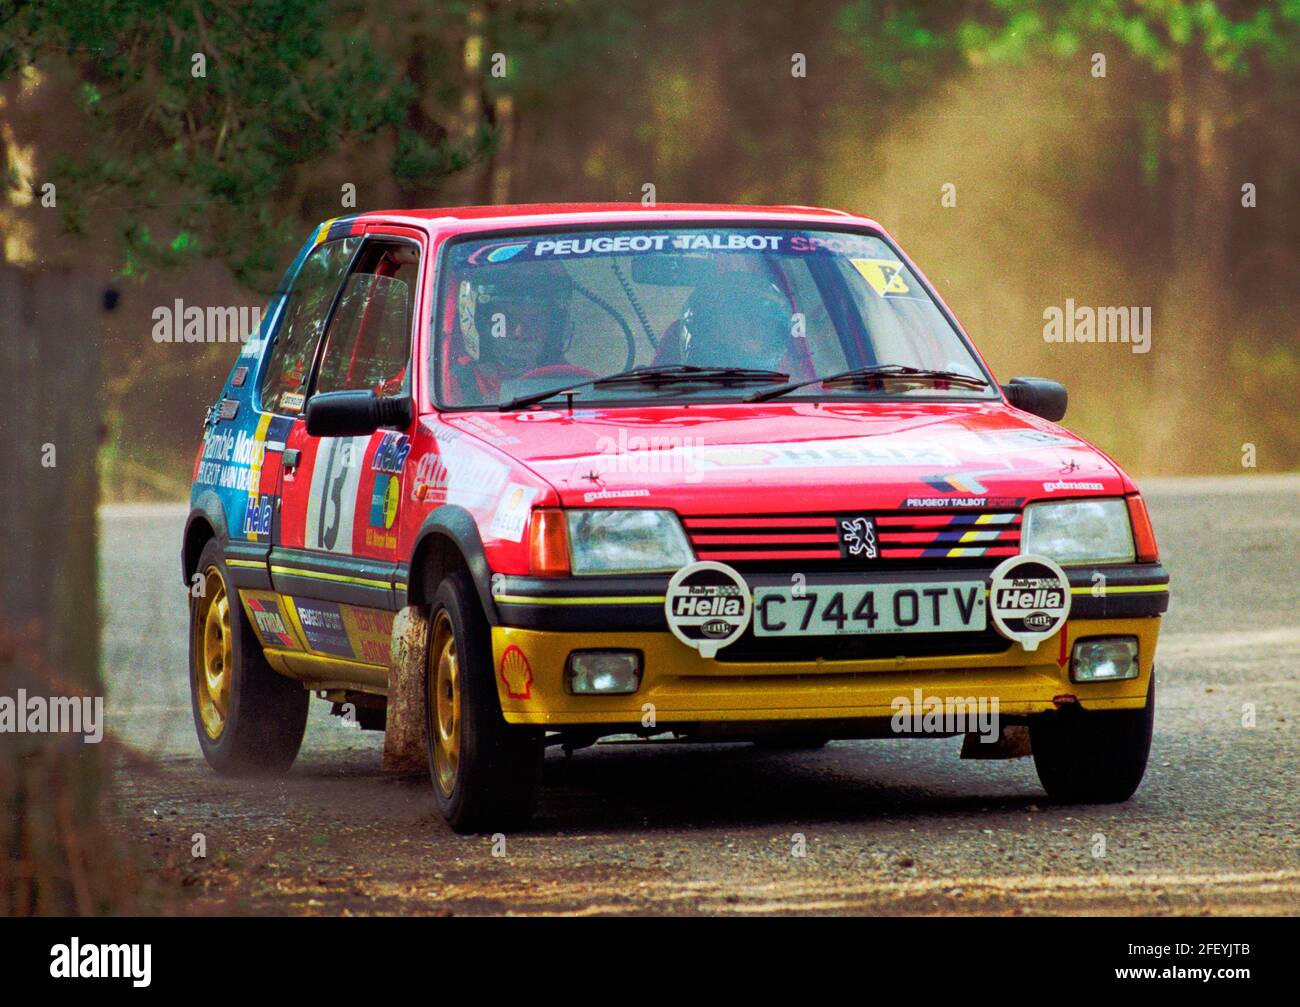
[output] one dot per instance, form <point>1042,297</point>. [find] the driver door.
<point>336,553</point>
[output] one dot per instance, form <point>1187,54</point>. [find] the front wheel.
<point>1093,758</point>
<point>485,772</point>
<point>249,719</point>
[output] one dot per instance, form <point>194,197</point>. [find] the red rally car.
<point>719,472</point>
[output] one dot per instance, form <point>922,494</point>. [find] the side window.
<point>369,340</point>
<point>285,377</point>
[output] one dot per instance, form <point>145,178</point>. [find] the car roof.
<point>464,218</point>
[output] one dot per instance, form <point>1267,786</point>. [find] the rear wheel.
<point>485,772</point>
<point>250,720</point>
<point>1093,758</point>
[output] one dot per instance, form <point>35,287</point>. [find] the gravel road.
<point>875,826</point>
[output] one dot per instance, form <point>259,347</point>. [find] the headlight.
<point>1077,532</point>
<point>627,541</point>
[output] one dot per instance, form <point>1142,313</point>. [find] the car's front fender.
<point>454,525</point>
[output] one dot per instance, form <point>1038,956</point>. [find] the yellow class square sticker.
<point>884,275</point>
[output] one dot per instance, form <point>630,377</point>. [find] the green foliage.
<point>1150,31</point>
<point>556,46</point>
<point>418,163</point>
<point>902,47</point>
<point>205,115</point>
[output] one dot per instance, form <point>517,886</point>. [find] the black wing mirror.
<point>1039,396</point>
<point>355,414</point>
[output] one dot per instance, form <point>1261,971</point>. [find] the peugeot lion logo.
<point>858,537</point>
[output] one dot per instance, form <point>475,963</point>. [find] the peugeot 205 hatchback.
<point>711,472</point>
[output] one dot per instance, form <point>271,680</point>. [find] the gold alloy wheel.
<point>212,662</point>
<point>444,700</point>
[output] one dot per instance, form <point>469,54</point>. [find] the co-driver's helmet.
<point>736,320</point>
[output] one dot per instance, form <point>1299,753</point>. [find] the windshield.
<point>525,315</point>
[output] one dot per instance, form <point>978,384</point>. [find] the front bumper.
<point>679,687</point>
<point>808,678</point>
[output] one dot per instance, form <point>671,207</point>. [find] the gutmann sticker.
<point>1029,599</point>
<point>708,606</point>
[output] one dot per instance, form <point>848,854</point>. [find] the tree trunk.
<point>1190,322</point>
<point>49,627</point>
<point>1202,197</point>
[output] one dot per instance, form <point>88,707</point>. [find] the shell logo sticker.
<point>516,673</point>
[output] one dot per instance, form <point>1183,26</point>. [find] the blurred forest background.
<point>1170,181</point>
<point>1109,152</point>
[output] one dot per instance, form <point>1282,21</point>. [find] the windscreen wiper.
<point>668,374</point>
<point>871,375</point>
<point>655,375</point>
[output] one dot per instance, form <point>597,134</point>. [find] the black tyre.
<point>250,720</point>
<point>485,772</point>
<point>1093,758</point>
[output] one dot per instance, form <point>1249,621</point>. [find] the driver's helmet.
<point>512,317</point>
<point>736,320</point>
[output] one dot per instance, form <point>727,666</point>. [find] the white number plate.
<point>846,610</point>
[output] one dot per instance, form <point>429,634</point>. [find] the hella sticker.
<point>1029,599</point>
<point>391,453</point>
<point>708,606</point>
<point>257,517</point>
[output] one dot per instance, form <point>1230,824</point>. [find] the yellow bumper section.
<point>684,687</point>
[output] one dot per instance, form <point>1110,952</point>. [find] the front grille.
<point>751,649</point>
<point>906,540</point>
